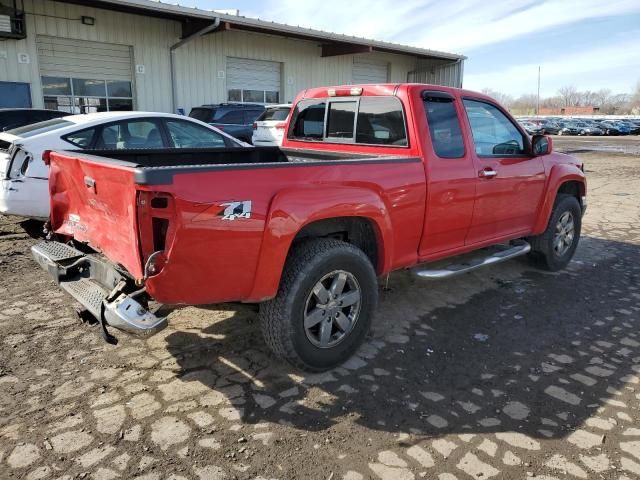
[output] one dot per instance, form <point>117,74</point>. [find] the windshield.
<point>276,114</point>
<point>40,127</point>
<point>202,114</point>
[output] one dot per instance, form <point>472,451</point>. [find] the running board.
<point>515,249</point>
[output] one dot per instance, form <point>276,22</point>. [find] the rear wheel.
<point>324,306</point>
<point>555,248</point>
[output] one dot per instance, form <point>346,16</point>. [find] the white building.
<point>140,54</point>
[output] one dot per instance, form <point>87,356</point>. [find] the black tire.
<point>282,318</point>
<point>543,251</point>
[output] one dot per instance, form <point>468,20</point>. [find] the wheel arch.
<point>353,214</point>
<point>564,179</point>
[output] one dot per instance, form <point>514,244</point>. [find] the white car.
<point>268,129</point>
<point>24,175</point>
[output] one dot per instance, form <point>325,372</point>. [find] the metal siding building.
<point>147,55</point>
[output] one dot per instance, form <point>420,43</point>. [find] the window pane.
<point>119,88</point>
<point>251,116</point>
<point>189,135</point>
<point>444,127</point>
<point>256,96</point>
<point>89,88</point>
<point>340,119</point>
<point>234,117</point>
<point>202,114</point>
<point>493,133</point>
<point>131,134</point>
<point>81,138</point>
<point>120,105</point>
<point>308,119</point>
<point>272,97</point>
<point>64,104</point>
<point>40,127</point>
<point>275,114</point>
<point>56,86</point>
<point>235,95</point>
<point>92,104</point>
<point>380,121</point>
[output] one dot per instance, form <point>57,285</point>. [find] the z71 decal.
<point>236,210</point>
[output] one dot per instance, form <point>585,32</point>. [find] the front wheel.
<point>324,306</point>
<point>554,249</point>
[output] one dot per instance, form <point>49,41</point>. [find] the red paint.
<point>421,211</point>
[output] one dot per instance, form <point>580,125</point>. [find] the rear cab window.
<point>375,120</point>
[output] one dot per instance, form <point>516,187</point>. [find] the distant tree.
<point>636,96</point>
<point>569,95</point>
<point>502,98</point>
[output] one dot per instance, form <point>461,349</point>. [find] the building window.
<point>86,95</point>
<point>253,96</point>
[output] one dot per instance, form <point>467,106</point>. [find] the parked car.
<point>268,129</point>
<point>609,128</point>
<point>236,119</point>
<point>18,117</point>
<point>531,128</point>
<point>568,128</point>
<point>587,129</point>
<point>23,172</point>
<point>304,230</point>
<point>550,128</point>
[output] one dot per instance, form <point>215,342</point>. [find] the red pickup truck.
<point>370,179</point>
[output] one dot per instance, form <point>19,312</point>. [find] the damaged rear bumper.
<point>98,287</point>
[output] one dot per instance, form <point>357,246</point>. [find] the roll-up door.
<point>366,70</point>
<point>81,76</point>
<point>253,80</point>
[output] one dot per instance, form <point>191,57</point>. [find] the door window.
<point>185,134</point>
<point>129,134</point>
<point>494,135</point>
<point>444,126</point>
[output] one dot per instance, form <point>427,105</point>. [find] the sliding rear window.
<point>363,120</point>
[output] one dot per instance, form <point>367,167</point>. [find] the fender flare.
<point>293,209</point>
<point>558,175</point>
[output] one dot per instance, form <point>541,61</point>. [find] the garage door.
<point>370,71</point>
<point>79,76</point>
<point>253,80</point>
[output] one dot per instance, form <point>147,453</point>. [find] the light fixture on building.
<point>88,20</point>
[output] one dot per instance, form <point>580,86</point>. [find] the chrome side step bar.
<point>515,249</point>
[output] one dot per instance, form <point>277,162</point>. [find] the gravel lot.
<point>508,373</point>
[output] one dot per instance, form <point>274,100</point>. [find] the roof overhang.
<point>195,19</point>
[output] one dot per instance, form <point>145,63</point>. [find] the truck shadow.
<point>539,359</point>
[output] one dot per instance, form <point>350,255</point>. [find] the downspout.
<point>172,63</point>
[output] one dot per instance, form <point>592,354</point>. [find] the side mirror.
<point>541,145</point>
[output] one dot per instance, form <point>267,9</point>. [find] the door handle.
<point>487,173</point>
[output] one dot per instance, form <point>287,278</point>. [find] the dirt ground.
<point>508,373</point>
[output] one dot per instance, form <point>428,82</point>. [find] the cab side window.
<point>444,125</point>
<point>494,135</point>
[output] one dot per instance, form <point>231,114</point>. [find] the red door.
<point>450,173</point>
<point>510,182</point>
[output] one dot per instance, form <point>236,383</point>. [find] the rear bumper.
<point>97,286</point>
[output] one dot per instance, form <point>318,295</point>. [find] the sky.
<point>589,44</point>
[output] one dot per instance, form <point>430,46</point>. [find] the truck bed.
<point>158,166</point>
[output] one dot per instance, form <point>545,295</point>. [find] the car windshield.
<point>40,127</point>
<point>276,114</point>
<point>202,114</point>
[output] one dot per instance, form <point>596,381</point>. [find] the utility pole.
<point>538,101</point>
